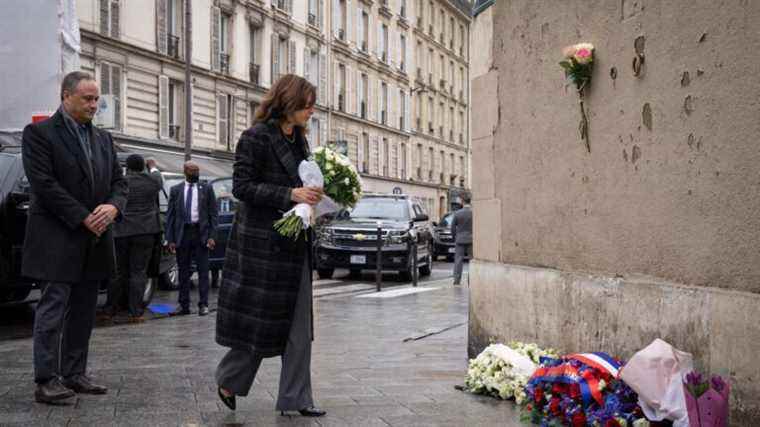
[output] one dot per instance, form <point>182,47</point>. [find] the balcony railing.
<point>224,63</point>
<point>253,73</point>
<point>172,46</point>
<point>312,19</point>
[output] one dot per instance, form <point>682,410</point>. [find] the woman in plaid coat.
<point>265,299</point>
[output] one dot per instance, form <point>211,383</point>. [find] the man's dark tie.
<point>189,204</point>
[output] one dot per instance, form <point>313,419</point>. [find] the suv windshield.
<point>381,208</point>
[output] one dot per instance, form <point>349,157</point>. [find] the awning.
<point>172,161</point>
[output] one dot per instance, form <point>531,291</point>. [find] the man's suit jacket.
<point>140,216</point>
<point>175,214</point>
<point>64,191</point>
<point>461,226</point>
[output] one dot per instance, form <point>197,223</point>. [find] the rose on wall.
<point>578,66</point>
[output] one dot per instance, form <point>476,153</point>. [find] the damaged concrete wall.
<point>672,185</point>
<point>670,190</point>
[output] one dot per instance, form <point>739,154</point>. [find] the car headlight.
<point>326,235</point>
<point>397,237</point>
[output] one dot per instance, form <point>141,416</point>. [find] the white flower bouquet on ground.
<point>503,370</point>
<point>339,179</point>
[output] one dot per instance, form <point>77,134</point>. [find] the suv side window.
<point>417,210</point>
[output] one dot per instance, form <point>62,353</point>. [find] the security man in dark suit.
<point>191,220</point>
<point>461,229</point>
<point>77,191</point>
<point>136,235</point>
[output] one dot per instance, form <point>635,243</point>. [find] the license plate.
<point>358,259</point>
<point>452,250</point>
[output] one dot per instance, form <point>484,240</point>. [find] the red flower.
<point>538,396</point>
<point>559,388</point>
<point>612,423</point>
<point>574,391</point>
<point>554,406</point>
<point>579,419</point>
<point>529,407</point>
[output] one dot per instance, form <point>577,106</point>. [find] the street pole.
<point>188,79</point>
<point>379,258</point>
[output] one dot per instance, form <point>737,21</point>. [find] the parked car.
<point>14,206</point>
<point>350,239</point>
<point>443,240</point>
<point>226,208</point>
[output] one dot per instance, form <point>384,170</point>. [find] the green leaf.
<point>566,65</point>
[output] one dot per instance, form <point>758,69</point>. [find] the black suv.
<point>14,205</point>
<point>350,239</point>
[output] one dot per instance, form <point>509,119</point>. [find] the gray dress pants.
<point>459,255</point>
<point>63,323</point>
<point>237,369</point>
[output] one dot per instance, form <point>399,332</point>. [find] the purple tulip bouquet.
<point>706,401</point>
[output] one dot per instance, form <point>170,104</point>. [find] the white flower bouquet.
<point>503,370</point>
<point>339,179</point>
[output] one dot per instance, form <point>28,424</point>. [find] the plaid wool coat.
<point>262,269</point>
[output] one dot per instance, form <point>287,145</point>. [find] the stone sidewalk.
<point>363,372</point>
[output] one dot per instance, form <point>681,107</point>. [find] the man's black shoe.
<point>84,385</point>
<point>179,311</point>
<point>203,311</point>
<point>52,391</point>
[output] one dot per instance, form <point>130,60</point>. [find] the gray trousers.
<point>237,369</point>
<point>63,324</point>
<point>459,255</point>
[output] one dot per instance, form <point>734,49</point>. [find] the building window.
<point>366,152</point>
<point>225,120</point>
<point>451,33</point>
<point>462,171</point>
<point>384,105</point>
<point>402,45</point>
<point>402,110</point>
<point>314,132</point>
<point>110,18</point>
<point>384,43</point>
<point>312,67</point>
<point>342,16</point>
<point>254,71</point>
<point>431,164</point>
<point>282,57</point>
<point>111,84</point>
<point>314,13</point>
<point>431,113</point>
<point>420,14</point>
<point>176,111</point>
<point>224,43</point>
<point>362,91</point>
<point>403,161</point>
<point>419,162</point>
<point>461,40</point>
<point>170,27</point>
<point>386,156</point>
<point>341,87</point>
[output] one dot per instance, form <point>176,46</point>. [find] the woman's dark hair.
<point>289,94</point>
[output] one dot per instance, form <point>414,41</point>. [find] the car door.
<point>422,228</point>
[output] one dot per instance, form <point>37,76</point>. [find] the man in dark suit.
<point>461,229</point>
<point>77,191</point>
<point>136,234</point>
<point>191,221</point>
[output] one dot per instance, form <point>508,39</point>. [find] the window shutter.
<point>275,58</point>
<point>359,89</point>
<point>115,19</point>
<point>216,17</point>
<point>349,94</point>
<point>161,26</point>
<point>307,64</point>
<point>104,16</point>
<point>349,27</point>
<point>163,106</point>
<point>322,132</point>
<point>116,91</point>
<point>359,29</point>
<point>336,17</point>
<point>322,80</point>
<point>320,14</point>
<point>222,118</point>
<point>407,124</point>
<point>292,57</point>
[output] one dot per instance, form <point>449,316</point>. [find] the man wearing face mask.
<point>191,221</point>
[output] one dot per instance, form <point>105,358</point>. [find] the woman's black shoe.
<point>312,412</point>
<point>227,400</point>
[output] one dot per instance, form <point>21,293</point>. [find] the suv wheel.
<point>170,278</point>
<point>325,273</point>
<point>406,274</point>
<point>426,269</point>
<point>150,289</point>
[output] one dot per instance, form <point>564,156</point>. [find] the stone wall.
<point>669,192</point>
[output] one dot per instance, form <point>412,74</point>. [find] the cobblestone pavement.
<point>364,372</point>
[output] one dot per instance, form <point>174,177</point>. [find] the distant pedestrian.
<point>461,229</point>
<point>191,221</point>
<point>265,299</point>
<point>77,191</point>
<point>135,235</point>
